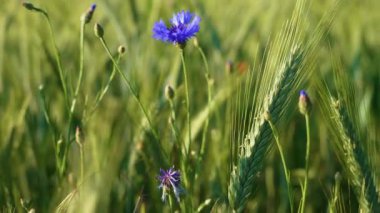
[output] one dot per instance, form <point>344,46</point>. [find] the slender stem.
<point>81,149</point>
<point>60,165</point>
<point>177,142</point>
<point>186,178</point>
<point>209,95</point>
<point>187,101</point>
<point>81,65</point>
<point>172,122</point>
<point>48,121</point>
<point>171,203</point>
<point>133,91</point>
<point>306,162</point>
<point>57,55</point>
<point>79,83</point>
<point>286,170</point>
<point>46,114</point>
<point>171,104</point>
<point>103,92</point>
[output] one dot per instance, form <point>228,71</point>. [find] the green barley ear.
<point>290,60</point>
<point>350,145</point>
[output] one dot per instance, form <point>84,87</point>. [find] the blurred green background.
<point>121,160</point>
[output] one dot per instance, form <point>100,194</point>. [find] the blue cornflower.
<point>170,179</point>
<point>183,26</point>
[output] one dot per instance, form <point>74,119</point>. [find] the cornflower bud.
<point>98,29</point>
<point>28,5</point>
<point>229,67</point>
<point>88,15</point>
<point>121,50</point>
<point>304,103</point>
<point>169,92</point>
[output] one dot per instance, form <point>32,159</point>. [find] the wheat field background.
<point>65,149</point>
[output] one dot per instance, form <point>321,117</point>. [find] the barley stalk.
<point>290,61</point>
<point>251,160</point>
<point>350,150</point>
<point>273,87</point>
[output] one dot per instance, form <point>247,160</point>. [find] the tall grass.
<point>86,126</point>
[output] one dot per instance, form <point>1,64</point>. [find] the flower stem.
<point>133,91</point>
<point>306,161</point>
<point>81,164</point>
<point>56,54</point>
<point>79,83</point>
<point>81,150</point>
<point>209,95</point>
<point>171,203</point>
<point>172,123</point>
<point>103,92</point>
<point>187,101</point>
<point>286,170</point>
<point>81,65</point>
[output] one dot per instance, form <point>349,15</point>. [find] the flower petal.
<point>193,27</point>
<point>183,17</point>
<point>160,32</point>
<point>184,25</point>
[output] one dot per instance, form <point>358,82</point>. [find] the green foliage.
<point>85,128</point>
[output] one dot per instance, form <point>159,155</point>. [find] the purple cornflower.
<point>183,26</point>
<point>170,179</point>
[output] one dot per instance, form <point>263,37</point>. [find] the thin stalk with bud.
<point>99,32</point>
<point>304,105</point>
<point>31,7</point>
